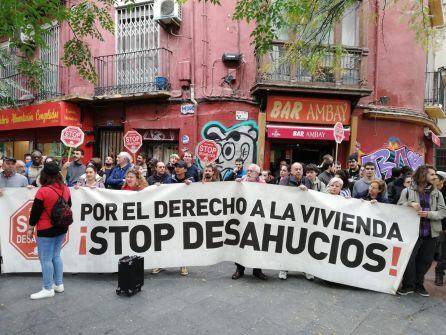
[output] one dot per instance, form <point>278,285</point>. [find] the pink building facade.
<point>194,75</point>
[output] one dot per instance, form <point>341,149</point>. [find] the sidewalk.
<point>208,301</point>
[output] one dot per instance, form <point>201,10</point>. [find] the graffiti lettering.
<point>385,159</point>
<point>238,141</point>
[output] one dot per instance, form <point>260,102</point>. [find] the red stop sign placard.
<point>338,132</point>
<point>18,228</point>
<point>132,141</point>
<point>208,151</point>
<point>72,136</point>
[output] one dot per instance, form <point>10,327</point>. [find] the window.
<point>50,59</point>
<point>137,59</point>
<point>350,27</point>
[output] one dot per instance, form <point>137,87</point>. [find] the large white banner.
<point>347,241</point>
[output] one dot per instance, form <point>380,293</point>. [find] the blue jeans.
<point>50,260</point>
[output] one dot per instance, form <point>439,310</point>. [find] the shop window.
<point>440,155</point>
<point>6,149</point>
<point>160,150</point>
<point>52,149</point>
<point>16,149</point>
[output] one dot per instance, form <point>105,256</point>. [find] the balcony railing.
<point>16,88</point>
<point>434,90</point>
<point>129,73</point>
<point>344,70</point>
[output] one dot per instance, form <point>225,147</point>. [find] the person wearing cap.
<point>9,176</point>
<point>180,175</point>
<point>179,178</point>
<point>49,238</point>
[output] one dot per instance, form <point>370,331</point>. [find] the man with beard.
<point>354,167</point>
<point>108,166</point>
<point>328,172</point>
<point>141,162</point>
<point>429,205</point>
<point>160,176</point>
<point>36,166</point>
<point>74,169</point>
<point>209,174</point>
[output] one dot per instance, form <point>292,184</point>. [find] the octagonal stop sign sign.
<point>338,132</point>
<point>208,151</point>
<point>72,136</point>
<point>132,141</point>
<point>19,223</point>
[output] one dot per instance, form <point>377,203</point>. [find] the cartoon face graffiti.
<point>238,141</point>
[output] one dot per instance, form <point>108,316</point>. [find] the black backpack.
<point>61,214</point>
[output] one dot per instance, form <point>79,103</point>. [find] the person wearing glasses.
<point>252,176</point>
<point>361,187</point>
<point>354,167</point>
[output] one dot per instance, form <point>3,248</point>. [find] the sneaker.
<point>283,275</point>
<point>184,271</point>
<point>404,291</point>
<point>422,291</point>
<point>308,276</point>
<point>42,294</point>
<point>157,270</point>
<point>58,288</point>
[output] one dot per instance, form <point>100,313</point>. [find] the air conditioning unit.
<point>167,12</point>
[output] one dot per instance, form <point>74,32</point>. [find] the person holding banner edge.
<point>430,207</point>
<point>49,237</point>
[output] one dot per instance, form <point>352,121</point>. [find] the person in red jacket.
<point>134,181</point>
<point>49,237</point>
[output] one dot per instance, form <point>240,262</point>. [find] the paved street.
<point>209,302</point>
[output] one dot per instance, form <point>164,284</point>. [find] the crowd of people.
<point>422,189</point>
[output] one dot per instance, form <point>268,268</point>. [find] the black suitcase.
<point>130,275</point>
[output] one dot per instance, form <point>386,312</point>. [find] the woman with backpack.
<point>51,215</point>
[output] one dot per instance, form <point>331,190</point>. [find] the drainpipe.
<point>375,84</point>
<point>192,85</point>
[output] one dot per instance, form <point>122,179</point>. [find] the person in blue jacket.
<point>117,176</point>
<point>238,171</point>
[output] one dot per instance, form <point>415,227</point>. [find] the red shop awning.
<point>304,133</point>
<point>50,114</point>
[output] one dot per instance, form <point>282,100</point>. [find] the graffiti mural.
<point>394,155</point>
<point>237,141</point>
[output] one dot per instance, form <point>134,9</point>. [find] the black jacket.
<point>164,179</point>
<point>394,190</point>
